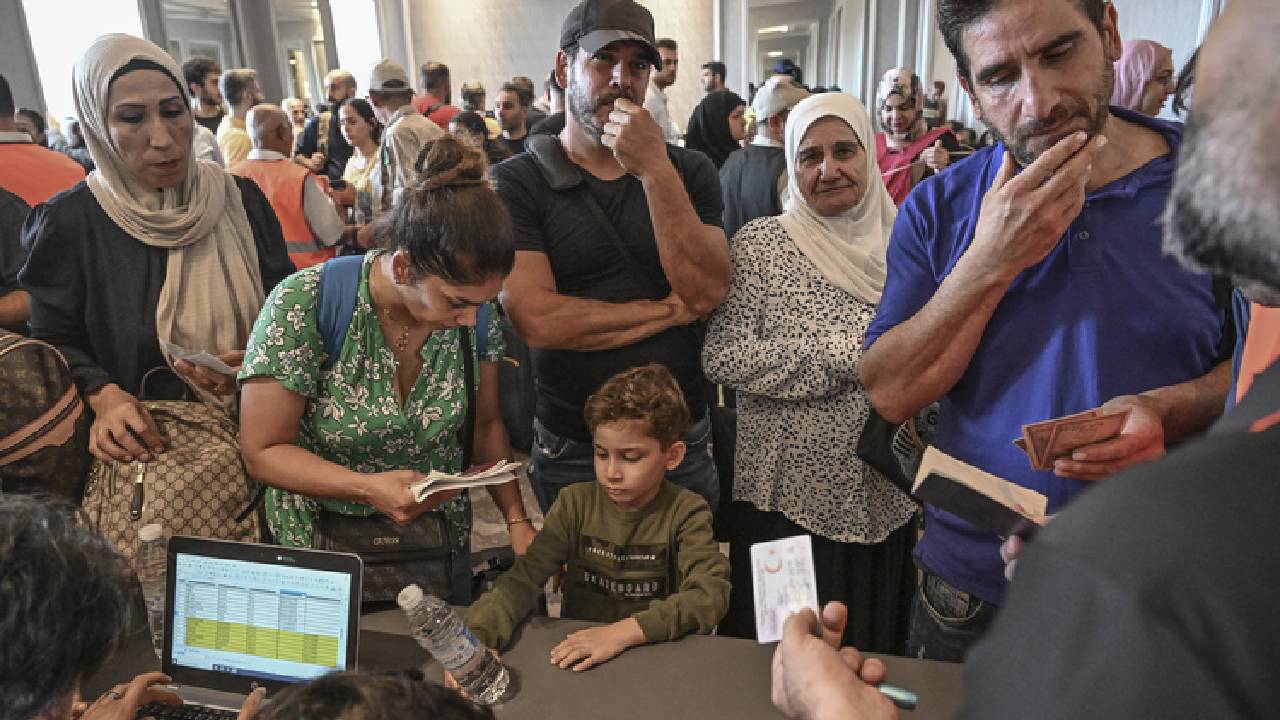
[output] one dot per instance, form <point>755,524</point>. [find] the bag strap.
<point>336,303</point>
<point>468,433</point>
<point>611,233</point>
<point>562,174</point>
<point>482,331</point>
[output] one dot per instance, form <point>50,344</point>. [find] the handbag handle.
<point>142,384</point>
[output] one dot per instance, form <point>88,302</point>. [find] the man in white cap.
<point>754,179</point>
<point>407,130</point>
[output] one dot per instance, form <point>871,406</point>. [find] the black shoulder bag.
<point>394,555</point>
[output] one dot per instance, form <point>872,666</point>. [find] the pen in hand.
<point>904,699</point>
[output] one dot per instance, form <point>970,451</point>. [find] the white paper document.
<point>783,580</point>
<point>196,357</point>
<point>436,481</point>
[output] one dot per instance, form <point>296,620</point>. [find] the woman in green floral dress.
<point>352,437</point>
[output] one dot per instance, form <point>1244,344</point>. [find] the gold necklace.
<point>402,340</point>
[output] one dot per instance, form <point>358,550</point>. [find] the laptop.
<point>243,615</point>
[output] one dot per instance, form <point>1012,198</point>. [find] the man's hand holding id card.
<point>783,580</point>
<point>784,583</point>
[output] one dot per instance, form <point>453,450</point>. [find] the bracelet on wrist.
<point>517,521</point>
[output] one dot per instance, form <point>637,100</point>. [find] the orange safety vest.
<point>36,173</point>
<point>282,181</point>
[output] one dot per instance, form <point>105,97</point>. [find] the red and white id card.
<point>783,581</point>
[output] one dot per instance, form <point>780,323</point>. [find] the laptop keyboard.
<point>160,711</point>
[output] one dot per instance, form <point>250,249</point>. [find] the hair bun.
<point>445,163</point>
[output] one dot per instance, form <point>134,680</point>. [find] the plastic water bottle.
<point>152,561</point>
<point>438,629</point>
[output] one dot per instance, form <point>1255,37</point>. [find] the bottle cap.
<point>409,597</point>
<point>150,533</point>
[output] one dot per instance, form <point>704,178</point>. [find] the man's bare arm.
<point>546,319</point>
<point>694,256</point>
<point>921,359</point>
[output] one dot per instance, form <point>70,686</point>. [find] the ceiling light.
<point>774,53</point>
<point>773,29</point>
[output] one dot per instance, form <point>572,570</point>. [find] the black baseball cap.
<point>596,23</point>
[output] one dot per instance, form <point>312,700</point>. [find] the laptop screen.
<point>279,622</point>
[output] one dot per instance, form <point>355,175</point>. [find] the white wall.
<point>849,65</point>
<point>299,35</point>
<point>203,32</point>
<point>355,26</point>
<point>57,42</point>
<point>492,40</point>
<point>17,62</point>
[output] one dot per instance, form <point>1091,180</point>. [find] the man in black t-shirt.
<point>201,76</point>
<point>619,248</point>
<point>513,112</point>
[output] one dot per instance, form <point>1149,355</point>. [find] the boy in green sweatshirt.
<point>640,550</point>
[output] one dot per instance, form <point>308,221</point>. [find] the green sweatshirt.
<point>660,565</point>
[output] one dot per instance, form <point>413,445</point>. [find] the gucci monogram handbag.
<point>197,486</point>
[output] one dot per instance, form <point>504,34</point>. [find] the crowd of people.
<point>364,270</point>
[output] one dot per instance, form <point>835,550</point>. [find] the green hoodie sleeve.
<point>494,617</point>
<point>702,596</point>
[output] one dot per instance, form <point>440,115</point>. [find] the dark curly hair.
<point>954,16</point>
<point>451,221</point>
<point>66,604</point>
<point>648,393</point>
<point>383,696</point>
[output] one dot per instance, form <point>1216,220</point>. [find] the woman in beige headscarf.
<point>153,246</point>
<point>789,338</point>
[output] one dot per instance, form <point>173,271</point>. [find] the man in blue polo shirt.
<point>1029,283</point>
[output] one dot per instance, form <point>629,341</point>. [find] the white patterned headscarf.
<point>213,286</point>
<point>902,82</point>
<point>849,248</point>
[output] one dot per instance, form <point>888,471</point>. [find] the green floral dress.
<point>352,417</point>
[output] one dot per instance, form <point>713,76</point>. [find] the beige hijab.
<point>848,249</point>
<point>213,286</point>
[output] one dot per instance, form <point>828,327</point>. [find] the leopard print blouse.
<point>789,340</point>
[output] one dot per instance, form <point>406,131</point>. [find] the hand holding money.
<point>1141,439</point>
<point>1093,444</point>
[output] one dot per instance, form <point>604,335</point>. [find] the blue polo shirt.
<point>1106,313</point>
